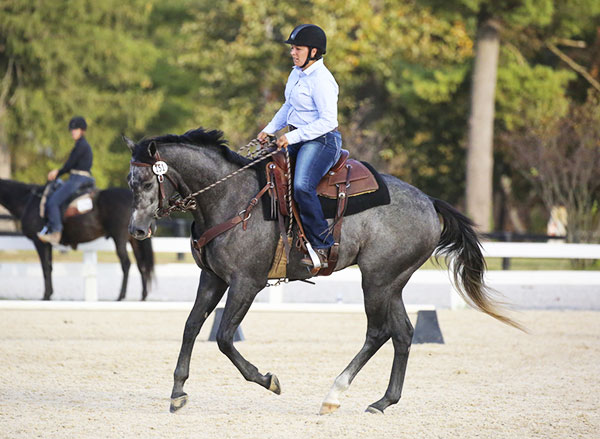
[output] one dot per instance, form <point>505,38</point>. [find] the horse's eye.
<point>148,186</point>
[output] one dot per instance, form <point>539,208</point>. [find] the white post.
<point>456,301</point>
<point>90,270</point>
<point>276,294</point>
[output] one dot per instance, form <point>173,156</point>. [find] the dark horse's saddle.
<point>347,178</point>
<point>80,202</point>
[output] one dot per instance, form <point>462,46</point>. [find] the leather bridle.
<point>160,168</point>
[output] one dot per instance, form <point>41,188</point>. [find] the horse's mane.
<point>198,137</point>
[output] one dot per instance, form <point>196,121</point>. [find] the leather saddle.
<point>80,202</point>
<point>357,178</point>
<point>347,178</point>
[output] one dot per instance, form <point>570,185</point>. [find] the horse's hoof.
<point>328,407</point>
<point>374,410</point>
<point>274,386</point>
<point>177,403</point>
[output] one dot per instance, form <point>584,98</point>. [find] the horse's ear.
<point>152,149</point>
<point>130,143</point>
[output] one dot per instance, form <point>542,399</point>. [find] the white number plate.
<point>160,168</point>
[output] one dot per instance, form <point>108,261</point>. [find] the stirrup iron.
<point>314,257</point>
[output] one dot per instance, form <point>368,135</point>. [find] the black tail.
<point>459,242</point>
<point>144,255</point>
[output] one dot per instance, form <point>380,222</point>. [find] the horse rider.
<point>310,113</point>
<point>78,165</point>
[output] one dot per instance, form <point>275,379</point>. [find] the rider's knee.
<point>302,188</point>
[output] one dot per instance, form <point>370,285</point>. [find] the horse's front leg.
<point>125,265</point>
<point>45,253</point>
<point>239,300</point>
<point>210,291</point>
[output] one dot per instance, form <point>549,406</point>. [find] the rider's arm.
<point>279,120</point>
<point>71,161</point>
<point>325,97</point>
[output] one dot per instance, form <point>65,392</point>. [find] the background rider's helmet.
<point>77,122</point>
<point>308,35</point>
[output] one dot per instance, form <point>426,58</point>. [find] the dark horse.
<point>387,242</point>
<point>109,218</point>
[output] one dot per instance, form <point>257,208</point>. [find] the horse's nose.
<point>137,233</point>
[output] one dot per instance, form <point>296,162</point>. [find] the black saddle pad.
<point>356,204</point>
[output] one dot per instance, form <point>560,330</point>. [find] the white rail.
<point>186,306</point>
<point>490,249</point>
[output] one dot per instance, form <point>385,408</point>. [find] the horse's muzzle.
<point>141,234</point>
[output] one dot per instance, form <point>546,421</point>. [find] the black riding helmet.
<point>77,122</point>
<point>309,35</point>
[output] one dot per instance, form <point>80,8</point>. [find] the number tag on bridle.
<point>160,168</point>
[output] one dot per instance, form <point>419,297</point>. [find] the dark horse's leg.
<point>121,245</point>
<point>386,317</point>
<point>45,253</point>
<point>240,297</point>
<point>210,291</point>
<point>142,251</point>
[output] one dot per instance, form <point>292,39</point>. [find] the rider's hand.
<point>282,142</point>
<point>262,137</point>
<point>52,175</point>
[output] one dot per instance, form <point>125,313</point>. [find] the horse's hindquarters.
<point>82,228</point>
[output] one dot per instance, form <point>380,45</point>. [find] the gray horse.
<point>389,243</point>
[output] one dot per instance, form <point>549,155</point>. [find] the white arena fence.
<point>275,302</point>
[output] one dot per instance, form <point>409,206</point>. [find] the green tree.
<point>560,158</point>
<point>399,69</point>
<point>71,57</point>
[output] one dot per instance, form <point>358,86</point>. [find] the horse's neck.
<point>14,196</point>
<point>201,167</point>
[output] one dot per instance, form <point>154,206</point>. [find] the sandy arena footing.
<point>91,374</point>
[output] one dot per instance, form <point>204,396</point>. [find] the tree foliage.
<point>148,67</point>
<point>560,159</point>
<point>69,58</point>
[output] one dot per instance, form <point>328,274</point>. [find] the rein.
<point>160,168</point>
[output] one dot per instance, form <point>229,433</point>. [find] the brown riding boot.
<point>322,253</point>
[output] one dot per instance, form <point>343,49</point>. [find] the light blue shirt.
<point>310,104</point>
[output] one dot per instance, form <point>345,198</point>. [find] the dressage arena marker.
<point>427,329</point>
<point>238,336</point>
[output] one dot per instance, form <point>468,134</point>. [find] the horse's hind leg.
<point>378,332</point>
<point>238,303</point>
<point>210,291</point>
<point>402,332</point>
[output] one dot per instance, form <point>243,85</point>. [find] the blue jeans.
<point>59,197</point>
<point>313,159</point>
